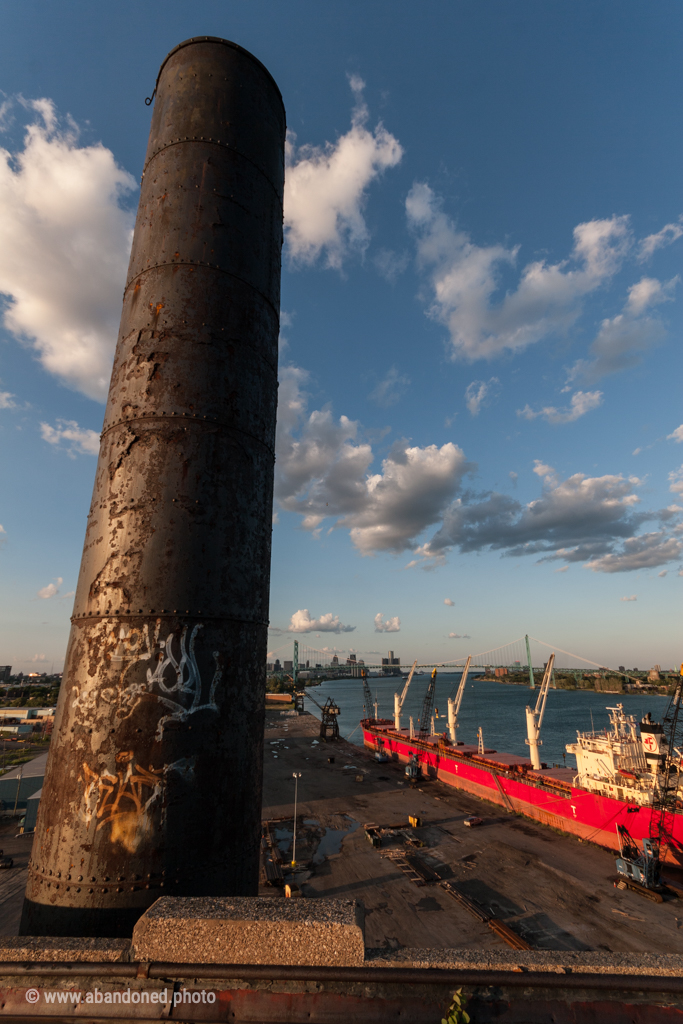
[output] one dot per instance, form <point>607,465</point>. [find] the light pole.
<point>296,776</point>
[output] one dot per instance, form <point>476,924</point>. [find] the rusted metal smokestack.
<point>153,784</point>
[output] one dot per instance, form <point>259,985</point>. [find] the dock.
<point>441,889</point>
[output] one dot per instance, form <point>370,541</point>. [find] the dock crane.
<point>329,721</point>
<point>399,701</point>
<point>534,718</point>
<point>454,705</point>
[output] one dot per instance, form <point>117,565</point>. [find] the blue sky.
<point>480,365</point>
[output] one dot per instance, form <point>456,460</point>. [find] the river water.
<point>497,707</point>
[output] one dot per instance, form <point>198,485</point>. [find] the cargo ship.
<point>615,782</point>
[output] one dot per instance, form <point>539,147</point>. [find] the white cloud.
<point>464,279</point>
<point>581,403</point>
<point>622,340</point>
<point>7,400</point>
<point>633,597</point>
<point>514,477</point>
<point>459,636</point>
<point>662,574</point>
<point>581,519</point>
<point>323,471</point>
<point>644,552</point>
<point>676,481</point>
<point>51,590</point>
<point>668,234</point>
<point>387,626</point>
<point>391,264</point>
<point>563,568</point>
<point>326,188</point>
<point>677,435</point>
<point>447,601</point>
<point>37,659</point>
<point>301,622</point>
<point>391,389</point>
<point>479,393</point>
<point>64,245</point>
<point>67,434</point>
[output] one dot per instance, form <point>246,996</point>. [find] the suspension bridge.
<point>525,654</point>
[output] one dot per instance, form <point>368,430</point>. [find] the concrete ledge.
<point>46,948</point>
<point>666,965</point>
<point>251,930</point>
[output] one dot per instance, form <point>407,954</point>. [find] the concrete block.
<point>251,930</point>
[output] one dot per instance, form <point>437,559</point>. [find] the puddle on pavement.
<point>331,842</point>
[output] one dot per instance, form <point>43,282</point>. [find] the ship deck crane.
<point>367,695</point>
<point>454,705</point>
<point>427,708</point>
<point>399,701</point>
<point>534,718</point>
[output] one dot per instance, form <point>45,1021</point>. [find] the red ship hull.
<point>511,783</point>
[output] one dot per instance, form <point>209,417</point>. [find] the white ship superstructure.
<point>621,762</point>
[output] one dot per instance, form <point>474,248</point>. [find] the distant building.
<point>277,667</point>
<point>391,665</point>
<point>653,675</point>
<point>335,660</point>
<point>5,673</point>
<point>289,666</point>
<point>500,672</point>
<point>351,660</point>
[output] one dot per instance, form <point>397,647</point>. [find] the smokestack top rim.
<point>222,42</point>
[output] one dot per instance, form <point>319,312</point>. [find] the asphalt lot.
<point>552,890</point>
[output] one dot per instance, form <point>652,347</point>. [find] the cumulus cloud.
<point>668,234</point>
<point>301,622</point>
<point>464,279</point>
<point>391,389</point>
<point>581,519</point>
<point>459,636</point>
<point>447,601</point>
<point>662,574</point>
<point>633,597</point>
<point>74,439</point>
<point>480,393</point>
<point>622,339</point>
<point>51,590</point>
<point>64,246</point>
<point>388,625</point>
<point>677,435</point>
<point>323,471</point>
<point>644,552</point>
<point>7,400</point>
<point>326,188</point>
<point>581,403</point>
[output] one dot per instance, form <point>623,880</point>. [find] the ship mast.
<point>534,719</point>
<point>454,705</point>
